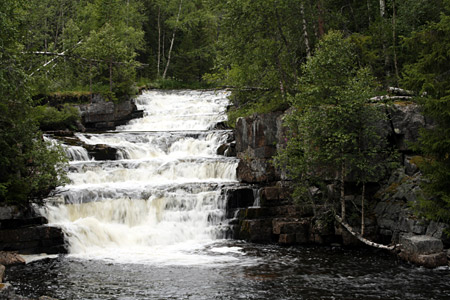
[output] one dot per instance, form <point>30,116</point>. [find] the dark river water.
<point>249,272</point>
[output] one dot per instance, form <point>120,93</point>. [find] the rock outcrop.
<point>257,137</point>
<point>28,233</point>
<point>405,121</point>
<point>106,115</point>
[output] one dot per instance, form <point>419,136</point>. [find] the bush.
<point>50,118</point>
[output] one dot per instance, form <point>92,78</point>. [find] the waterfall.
<point>160,200</point>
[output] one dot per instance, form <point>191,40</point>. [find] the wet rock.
<point>257,133</point>
<point>11,258</point>
<point>286,239</point>
<point>7,291</point>
<point>291,227</point>
<point>421,244</point>
<point>101,152</point>
<point>254,213</point>
<point>19,223</point>
<point>423,250</point>
<point>256,171</point>
<point>228,149</point>
<point>256,231</point>
<point>220,126</point>
<point>222,148</point>
<point>240,197</point>
<point>33,240</point>
<point>106,115</point>
<point>2,273</point>
<point>256,143</point>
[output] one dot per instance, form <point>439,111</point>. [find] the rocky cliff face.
<point>277,219</point>
<point>257,138</point>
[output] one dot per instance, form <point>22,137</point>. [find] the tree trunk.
<point>368,11</point>
<point>382,8</point>
<point>90,79</point>
<point>363,223</point>
<point>383,36</point>
<point>128,9</point>
<point>305,31</point>
<point>359,237</point>
<point>394,37</point>
<point>320,20</point>
<point>342,190</point>
<point>110,76</point>
<point>159,42</point>
<point>173,39</point>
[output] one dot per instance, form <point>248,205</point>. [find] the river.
<point>151,224</point>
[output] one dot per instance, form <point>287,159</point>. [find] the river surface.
<point>151,224</point>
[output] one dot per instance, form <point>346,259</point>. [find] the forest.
<point>323,58</point>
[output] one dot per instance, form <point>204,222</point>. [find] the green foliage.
<point>29,168</point>
<point>261,44</point>
<point>333,128</point>
<point>429,74</point>
<point>50,118</point>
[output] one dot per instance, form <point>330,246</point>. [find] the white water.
<point>160,202</point>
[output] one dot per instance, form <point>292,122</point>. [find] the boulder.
<point>33,240</point>
<point>2,273</point>
<point>421,244</point>
<point>11,258</point>
<point>101,152</point>
<point>228,149</point>
<point>423,250</point>
<point>105,115</point>
<point>256,231</point>
<point>7,292</point>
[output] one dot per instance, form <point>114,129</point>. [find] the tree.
<point>333,130</point>
<point>429,75</point>
<point>29,167</point>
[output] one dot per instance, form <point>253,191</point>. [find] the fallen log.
<point>364,240</point>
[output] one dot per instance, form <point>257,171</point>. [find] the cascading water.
<point>160,201</point>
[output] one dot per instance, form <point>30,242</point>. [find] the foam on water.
<point>160,202</point>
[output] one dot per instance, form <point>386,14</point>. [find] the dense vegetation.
<point>322,57</point>
<point>30,167</point>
